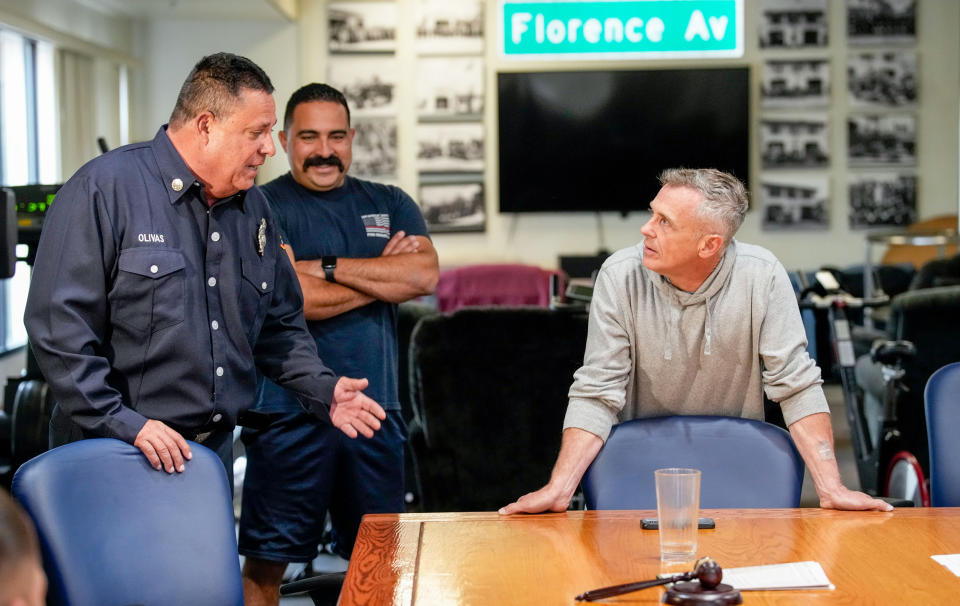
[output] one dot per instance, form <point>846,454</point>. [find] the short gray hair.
<point>216,84</point>
<point>725,199</point>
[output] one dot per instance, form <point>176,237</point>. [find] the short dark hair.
<point>313,92</point>
<point>18,540</point>
<point>215,84</point>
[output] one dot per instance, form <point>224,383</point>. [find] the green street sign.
<point>621,29</point>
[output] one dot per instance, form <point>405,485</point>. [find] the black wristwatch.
<point>329,263</point>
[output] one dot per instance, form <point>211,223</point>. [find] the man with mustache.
<point>160,288</point>
<point>690,321</point>
<point>359,249</point>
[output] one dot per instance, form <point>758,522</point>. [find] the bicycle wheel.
<point>905,480</point>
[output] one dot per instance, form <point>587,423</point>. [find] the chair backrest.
<point>495,284</point>
<point>744,463</point>
<point>942,404</point>
<point>927,318</point>
<point>115,531</point>
<point>938,272</point>
<point>489,389</point>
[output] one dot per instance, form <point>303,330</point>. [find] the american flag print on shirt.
<point>378,225</point>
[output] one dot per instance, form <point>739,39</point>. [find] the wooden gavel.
<point>708,572</point>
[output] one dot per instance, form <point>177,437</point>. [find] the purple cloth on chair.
<point>500,284</point>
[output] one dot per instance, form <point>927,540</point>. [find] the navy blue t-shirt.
<point>355,220</point>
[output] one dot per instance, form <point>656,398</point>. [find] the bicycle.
<point>885,464</point>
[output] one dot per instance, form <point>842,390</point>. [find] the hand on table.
<point>545,499</point>
<point>852,500</point>
<point>352,412</point>
<point>162,446</point>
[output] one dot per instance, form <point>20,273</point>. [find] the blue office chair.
<point>744,463</point>
<point>942,402</point>
<point>115,531</point>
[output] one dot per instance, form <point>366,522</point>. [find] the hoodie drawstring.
<point>707,329</point>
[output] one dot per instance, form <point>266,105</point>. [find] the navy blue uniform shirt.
<point>147,304</point>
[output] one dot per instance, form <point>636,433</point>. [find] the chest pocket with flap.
<point>256,291</point>
<point>148,292</point>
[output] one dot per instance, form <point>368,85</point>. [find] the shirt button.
<point>217,417</point>
<point>211,281</point>
<point>263,285</point>
<point>215,325</point>
<point>215,236</point>
<point>219,371</point>
<point>154,269</point>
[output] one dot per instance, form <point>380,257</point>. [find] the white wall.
<point>173,47</point>
<point>71,24</point>
<point>296,54</point>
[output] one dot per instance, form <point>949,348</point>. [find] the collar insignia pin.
<point>262,236</point>
<point>176,184</point>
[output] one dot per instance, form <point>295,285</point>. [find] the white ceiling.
<point>186,9</point>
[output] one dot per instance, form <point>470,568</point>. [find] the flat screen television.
<point>597,140</point>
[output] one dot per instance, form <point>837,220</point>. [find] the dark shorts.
<point>298,469</point>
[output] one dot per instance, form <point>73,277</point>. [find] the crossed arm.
<point>407,268</point>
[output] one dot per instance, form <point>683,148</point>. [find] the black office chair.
<point>409,315</point>
<point>743,463</point>
<point>115,531</point>
<point>938,272</point>
<point>942,403</point>
<point>490,392</point>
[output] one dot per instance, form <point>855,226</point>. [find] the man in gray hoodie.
<point>690,321</point>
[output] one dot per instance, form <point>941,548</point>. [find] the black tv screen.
<point>597,140</point>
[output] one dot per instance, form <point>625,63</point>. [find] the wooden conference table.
<point>485,559</point>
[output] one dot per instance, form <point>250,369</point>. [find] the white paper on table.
<point>795,575</point>
<point>951,561</point>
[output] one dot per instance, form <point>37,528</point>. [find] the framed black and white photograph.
<point>446,27</point>
<point>793,24</point>
<point>795,202</point>
<point>452,207</point>
<point>882,199</point>
<point>795,83</point>
<point>882,79</point>
<point>450,88</point>
<point>794,141</point>
<point>877,140</point>
<point>374,147</point>
<point>882,21</point>
<point>368,83</point>
<point>363,27</point>
<point>450,147</point>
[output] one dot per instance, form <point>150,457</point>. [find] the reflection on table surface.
<point>484,558</point>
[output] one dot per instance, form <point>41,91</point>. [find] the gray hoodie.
<point>655,350</point>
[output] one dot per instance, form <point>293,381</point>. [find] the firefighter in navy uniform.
<point>160,285</point>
